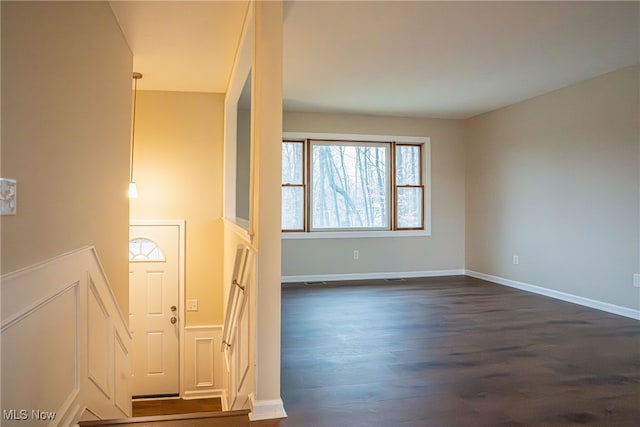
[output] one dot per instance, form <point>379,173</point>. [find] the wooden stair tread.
<point>237,418</point>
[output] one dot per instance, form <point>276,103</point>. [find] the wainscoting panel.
<point>122,363</point>
<point>239,331</point>
<point>233,370</point>
<point>98,339</point>
<point>64,343</point>
<point>203,364</point>
<point>242,346</point>
<point>33,345</point>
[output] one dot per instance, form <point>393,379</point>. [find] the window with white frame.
<point>353,184</point>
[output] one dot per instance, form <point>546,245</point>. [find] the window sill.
<point>239,225</point>
<point>292,235</point>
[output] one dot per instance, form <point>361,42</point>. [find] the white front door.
<point>153,313</point>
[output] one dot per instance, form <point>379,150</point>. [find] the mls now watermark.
<point>24,415</point>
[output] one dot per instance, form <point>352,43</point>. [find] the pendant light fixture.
<point>133,189</point>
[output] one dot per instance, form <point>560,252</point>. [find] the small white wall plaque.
<point>7,196</point>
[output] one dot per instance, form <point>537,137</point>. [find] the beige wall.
<point>443,250</point>
<point>66,96</point>
<point>555,180</point>
<point>178,169</point>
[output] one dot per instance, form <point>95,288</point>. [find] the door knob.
<point>173,308</point>
<point>174,319</point>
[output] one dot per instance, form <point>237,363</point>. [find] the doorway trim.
<point>180,223</point>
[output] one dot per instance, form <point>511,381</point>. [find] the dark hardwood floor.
<point>146,408</point>
<point>453,351</point>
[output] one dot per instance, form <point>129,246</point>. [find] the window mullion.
<point>306,150</point>
<point>393,203</point>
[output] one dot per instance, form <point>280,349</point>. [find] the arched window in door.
<point>145,250</point>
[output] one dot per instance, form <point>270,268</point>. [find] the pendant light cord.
<point>136,77</point>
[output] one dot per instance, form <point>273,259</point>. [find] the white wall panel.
<point>203,368</point>
<point>34,344</point>
<point>121,368</point>
<point>233,371</point>
<point>204,362</point>
<point>98,341</point>
<point>65,344</point>
<point>242,346</point>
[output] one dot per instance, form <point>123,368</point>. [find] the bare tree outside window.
<point>409,189</point>
<point>351,185</point>
<point>293,185</point>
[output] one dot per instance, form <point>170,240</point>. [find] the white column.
<point>266,206</point>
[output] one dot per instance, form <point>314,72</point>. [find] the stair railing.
<point>234,301</point>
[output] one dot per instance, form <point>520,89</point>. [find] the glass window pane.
<point>292,163</point>
<point>409,207</point>
<point>350,186</point>
<point>144,250</point>
<point>292,208</point>
<point>408,165</point>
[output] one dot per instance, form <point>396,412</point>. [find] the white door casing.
<point>155,292</point>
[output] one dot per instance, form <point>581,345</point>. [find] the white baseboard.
<point>266,409</point>
<point>370,276</point>
<point>575,299</point>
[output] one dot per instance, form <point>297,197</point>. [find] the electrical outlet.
<point>636,280</point>
<point>356,254</point>
<point>516,260</point>
<point>192,305</point>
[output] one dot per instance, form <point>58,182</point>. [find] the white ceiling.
<point>182,45</point>
<point>430,59</point>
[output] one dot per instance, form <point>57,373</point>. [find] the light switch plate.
<point>636,280</point>
<point>192,305</point>
<point>8,189</point>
